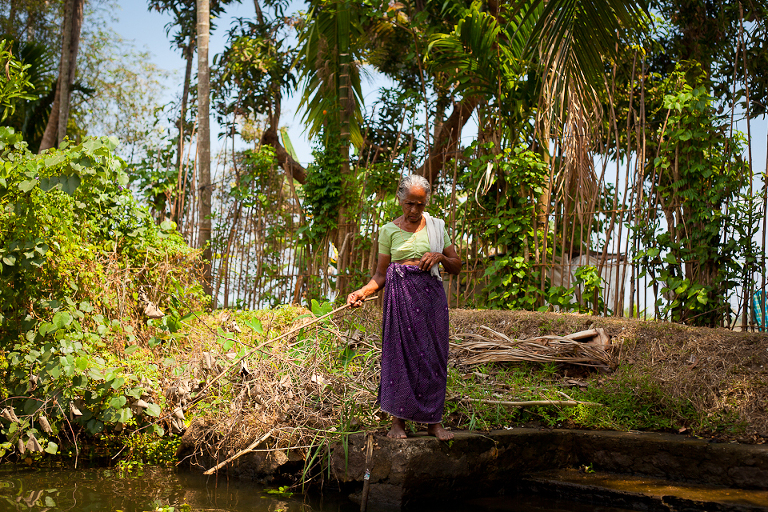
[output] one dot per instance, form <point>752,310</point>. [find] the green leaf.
<point>70,184</point>
<point>134,393</point>
<point>153,410</point>
<point>131,349</point>
<point>31,405</point>
<point>61,319</point>
<point>49,183</point>
<point>27,185</point>
<point>255,324</point>
<point>52,448</point>
<point>91,144</point>
<point>117,402</point>
<point>54,371</point>
<point>54,160</point>
<point>81,363</point>
<point>94,426</point>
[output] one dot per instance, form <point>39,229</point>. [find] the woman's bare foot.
<point>437,430</point>
<point>398,429</point>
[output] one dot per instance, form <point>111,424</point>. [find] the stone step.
<point>643,492</point>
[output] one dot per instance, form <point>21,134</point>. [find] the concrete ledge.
<point>422,469</point>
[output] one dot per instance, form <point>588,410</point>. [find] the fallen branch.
<point>240,453</point>
<point>529,403</point>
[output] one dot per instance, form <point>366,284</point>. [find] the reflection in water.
<point>107,490</point>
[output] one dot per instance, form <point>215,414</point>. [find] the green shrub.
<point>76,251</point>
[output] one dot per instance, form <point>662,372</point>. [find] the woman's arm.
<point>356,298</point>
<point>449,258</point>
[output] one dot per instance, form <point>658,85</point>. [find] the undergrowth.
<point>625,399</point>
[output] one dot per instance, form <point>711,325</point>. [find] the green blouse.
<point>404,245</point>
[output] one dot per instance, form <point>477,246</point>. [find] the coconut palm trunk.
<point>189,52</point>
<point>346,223</point>
<point>204,139</point>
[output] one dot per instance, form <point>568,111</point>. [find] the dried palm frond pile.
<point>585,348</point>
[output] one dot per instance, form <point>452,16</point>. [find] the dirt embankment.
<point>297,397</point>
<point>722,374</point>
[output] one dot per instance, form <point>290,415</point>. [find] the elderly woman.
<point>415,339</point>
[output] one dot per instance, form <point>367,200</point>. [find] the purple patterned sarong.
<point>414,360</point>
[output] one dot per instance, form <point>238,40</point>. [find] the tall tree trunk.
<point>204,139</point>
<point>72,44</point>
<point>346,224</point>
<point>56,128</point>
<point>30,28</point>
<point>12,19</point>
<point>259,15</point>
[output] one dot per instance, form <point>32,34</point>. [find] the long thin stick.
<point>239,454</point>
<point>367,477</point>
<point>527,404</point>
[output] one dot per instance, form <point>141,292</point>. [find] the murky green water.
<point>105,490</point>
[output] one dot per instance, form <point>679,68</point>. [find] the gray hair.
<point>413,180</point>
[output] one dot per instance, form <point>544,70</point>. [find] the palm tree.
<point>564,46</point>
<point>204,139</point>
<point>332,98</point>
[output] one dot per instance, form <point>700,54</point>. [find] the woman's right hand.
<point>355,299</point>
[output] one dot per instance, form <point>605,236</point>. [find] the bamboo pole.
<point>750,282</point>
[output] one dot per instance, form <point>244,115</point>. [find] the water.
<point>107,490</point>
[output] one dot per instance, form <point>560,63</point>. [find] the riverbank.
<point>285,388</point>
<point>319,387</point>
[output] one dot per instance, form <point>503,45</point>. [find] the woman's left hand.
<point>429,259</point>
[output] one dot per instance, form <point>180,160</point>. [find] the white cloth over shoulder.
<point>435,229</point>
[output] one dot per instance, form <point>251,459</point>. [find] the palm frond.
<point>328,62</point>
<point>483,54</point>
<point>573,39</point>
